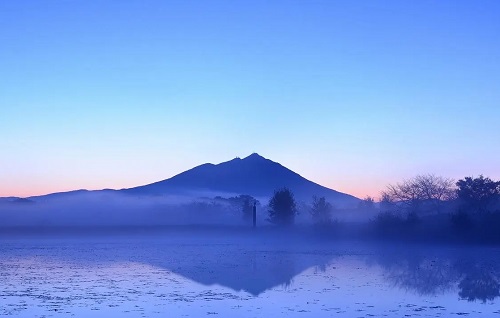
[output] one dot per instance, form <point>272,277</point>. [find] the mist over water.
<point>112,208</point>
<point>98,209</point>
<point>197,273</point>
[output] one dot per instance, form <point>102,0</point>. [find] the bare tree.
<point>423,190</point>
<point>436,188</point>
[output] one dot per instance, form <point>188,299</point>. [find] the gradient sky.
<point>350,94</point>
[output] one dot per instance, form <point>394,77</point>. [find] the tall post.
<point>254,214</point>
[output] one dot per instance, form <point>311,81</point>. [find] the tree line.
<point>469,203</point>
<point>472,206</point>
<point>283,208</point>
<point>429,193</point>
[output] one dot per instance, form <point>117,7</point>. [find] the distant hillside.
<point>254,175</point>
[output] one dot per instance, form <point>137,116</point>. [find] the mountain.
<point>178,200</point>
<point>253,175</point>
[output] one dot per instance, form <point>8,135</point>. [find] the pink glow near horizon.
<point>39,188</point>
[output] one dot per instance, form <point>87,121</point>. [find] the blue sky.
<point>350,94</point>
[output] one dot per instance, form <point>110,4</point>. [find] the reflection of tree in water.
<point>477,278</point>
<point>480,281</point>
<point>480,286</point>
<point>425,276</point>
<point>283,268</point>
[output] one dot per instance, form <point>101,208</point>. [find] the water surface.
<point>228,276</point>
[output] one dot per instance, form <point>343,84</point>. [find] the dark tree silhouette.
<point>477,194</point>
<point>282,207</point>
<point>321,211</point>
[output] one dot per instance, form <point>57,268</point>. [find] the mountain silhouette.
<point>253,175</point>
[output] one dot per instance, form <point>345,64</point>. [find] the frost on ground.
<point>189,275</point>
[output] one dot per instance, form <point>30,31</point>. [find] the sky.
<point>353,95</point>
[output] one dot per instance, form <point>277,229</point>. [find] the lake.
<point>190,274</point>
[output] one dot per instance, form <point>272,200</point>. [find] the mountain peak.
<point>254,156</point>
<point>253,175</point>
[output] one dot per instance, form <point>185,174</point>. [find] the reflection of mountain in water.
<point>255,265</point>
<point>253,271</point>
<point>475,272</point>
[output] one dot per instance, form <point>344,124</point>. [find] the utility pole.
<point>254,214</point>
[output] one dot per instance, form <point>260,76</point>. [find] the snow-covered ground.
<point>188,274</point>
